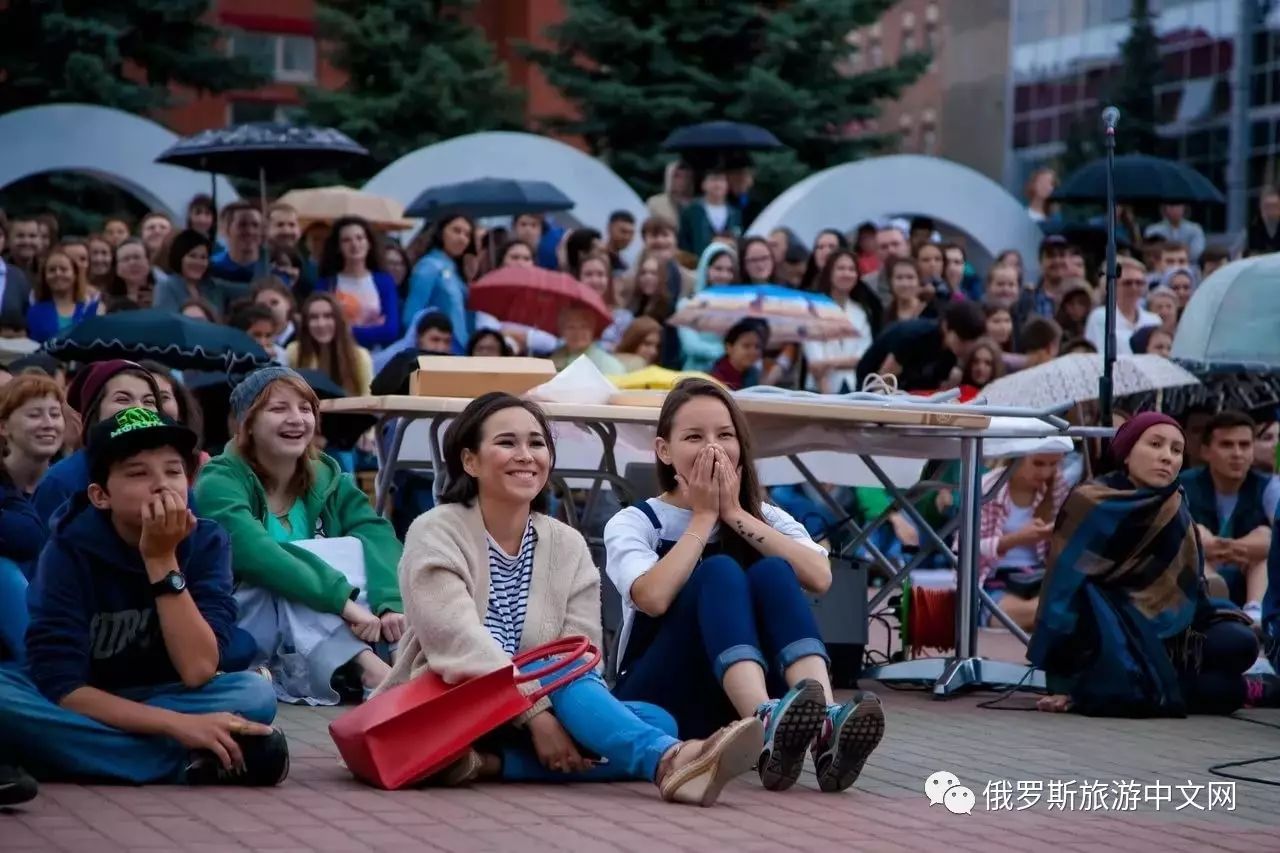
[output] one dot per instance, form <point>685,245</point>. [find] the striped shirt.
<point>509,578</point>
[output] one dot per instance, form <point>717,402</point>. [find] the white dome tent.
<point>908,185</point>
<point>111,145</point>
<point>594,187</point>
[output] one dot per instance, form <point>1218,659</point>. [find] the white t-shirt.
<point>631,546</point>
<point>1096,326</point>
<point>361,304</point>
<point>1023,556</point>
<point>717,215</point>
<point>842,348</point>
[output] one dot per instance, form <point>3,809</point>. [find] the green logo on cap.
<point>134,419</point>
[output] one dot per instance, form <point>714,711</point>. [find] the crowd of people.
<point>156,601</point>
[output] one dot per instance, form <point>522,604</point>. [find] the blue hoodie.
<point>93,616</point>
<point>22,529</point>
<point>65,478</point>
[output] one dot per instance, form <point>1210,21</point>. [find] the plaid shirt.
<point>995,513</point>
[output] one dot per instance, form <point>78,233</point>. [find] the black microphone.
<point>1110,118</point>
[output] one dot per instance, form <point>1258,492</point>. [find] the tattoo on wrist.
<point>747,535</point>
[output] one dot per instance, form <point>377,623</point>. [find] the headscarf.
<point>709,255</point>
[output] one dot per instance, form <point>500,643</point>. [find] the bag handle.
<point>570,649</point>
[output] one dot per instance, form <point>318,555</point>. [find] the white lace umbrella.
<point>1074,379</point>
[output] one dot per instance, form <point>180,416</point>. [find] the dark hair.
<point>464,433</point>
<point>264,283</point>
<point>190,414</point>
<point>433,320</point>
<point>1230,419</point>
<point>480,334</point>
<point>1213,255</point>
<point>229,212</point>
<point>1039,333</point>
<point>389,246</point>
<point>746,326</point>
<point>655,224</point>
<point>206,307</point>
<point>245,316</point>
<point>749,490</point>
<point>810,278</point>
<point>182,245</point>
<point>437,233</point>
<point>511,244</point>
<point>578,244</point>
<point>1082,344</point>
<point>622,216</point>
<point>120,304</point>
<point>742,257</point>
<point>860,294</point>
<point>289,253</point>
<point>965,318</point>
<point>331,262</point>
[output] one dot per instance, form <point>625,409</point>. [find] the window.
<point>876,54</point>
<point>243,112</point>
<point>909,45</point>
<point>285,58</point>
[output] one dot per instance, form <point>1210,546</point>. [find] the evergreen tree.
<point>1131,90</point>
<point>638,69</point>
<point>116,53</point>
<point>418,72</point>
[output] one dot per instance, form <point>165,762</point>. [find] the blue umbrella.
<point>173,340</point>
<point>1139,178</point>
<point>488,197</point>
<point>721,136</point>
<point>1233,319</point>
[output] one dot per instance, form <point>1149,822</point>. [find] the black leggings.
<point>1229,649</point>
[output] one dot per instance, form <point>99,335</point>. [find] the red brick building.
<point>283,34</point>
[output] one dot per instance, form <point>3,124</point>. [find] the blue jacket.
<point>372,337</point>
<point>67,477</point>
<point>93,616</point>
<point>22,529</point>
<point>436,283</point>
<point>42,319</point>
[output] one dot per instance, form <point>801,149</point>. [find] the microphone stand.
<point>1109,336</point>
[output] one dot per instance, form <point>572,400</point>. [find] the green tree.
<point>1131,90</point>
<point>418,72</point>
<point>116,53</point>
<point>637,69</point>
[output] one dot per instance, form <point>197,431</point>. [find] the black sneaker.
<point>266,763</point>
<point>16,785</point>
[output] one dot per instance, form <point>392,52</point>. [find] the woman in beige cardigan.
<point>486,575</point>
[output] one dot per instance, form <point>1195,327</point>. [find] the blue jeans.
<point>631,737</point>
<point>13,612</point>
<point>722,616</point>
<point>55,744</point>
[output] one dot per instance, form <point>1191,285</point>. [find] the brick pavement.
<point>321,809</point>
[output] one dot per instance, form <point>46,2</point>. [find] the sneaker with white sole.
<point>850,733</point>
<point>790,725</point>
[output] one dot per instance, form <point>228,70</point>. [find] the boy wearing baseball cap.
<point>131,609</point>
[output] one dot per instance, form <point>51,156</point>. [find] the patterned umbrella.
<point>1074,379</point>
<point>793,315</point>
<point>535,297</point>
<point>248,150</point>
<point>171,339</point>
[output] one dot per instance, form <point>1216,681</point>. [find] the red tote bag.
<point>424,725</point>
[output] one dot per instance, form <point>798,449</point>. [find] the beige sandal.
<point>464,771</point>
<point>729,752</point>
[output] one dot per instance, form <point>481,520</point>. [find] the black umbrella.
<point>488,197</point>
<point>1138,179</point>
<point>213,391</point>
<point>173,340</point>
<point>252,150</point>
<point>721,136</point>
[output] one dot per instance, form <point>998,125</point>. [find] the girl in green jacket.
<point>276,495</point>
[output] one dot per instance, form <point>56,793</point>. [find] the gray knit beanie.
<point>244,395</point>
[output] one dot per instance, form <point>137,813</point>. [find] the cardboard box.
<point>458,376</point>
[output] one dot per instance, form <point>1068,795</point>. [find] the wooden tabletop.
<point>789,410</point>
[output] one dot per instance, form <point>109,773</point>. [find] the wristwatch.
<point>171,584</point>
